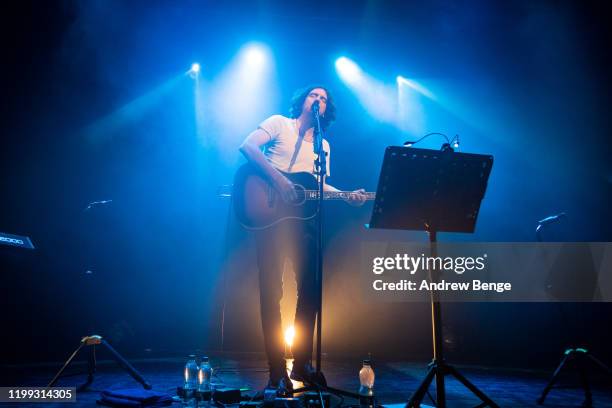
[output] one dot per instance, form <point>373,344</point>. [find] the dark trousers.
<point>296,240</point>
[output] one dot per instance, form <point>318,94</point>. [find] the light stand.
<point>92,342</point>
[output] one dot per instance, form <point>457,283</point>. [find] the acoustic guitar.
<point>258,205</point>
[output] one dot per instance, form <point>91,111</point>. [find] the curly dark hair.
<point>297,102</point>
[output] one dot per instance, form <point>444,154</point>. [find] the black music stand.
<point>433,191</point>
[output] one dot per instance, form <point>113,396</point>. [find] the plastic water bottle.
<point>205,375</point>
<point>191,373</point>
<point>366,379</point>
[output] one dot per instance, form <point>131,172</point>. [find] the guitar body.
<point>258,205</point>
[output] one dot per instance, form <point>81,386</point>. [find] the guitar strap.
<point>296,151</point>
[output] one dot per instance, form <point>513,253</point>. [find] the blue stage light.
<point>410,109</point>
<point>194,71</point>
<point>378,98</point>
<point>348,70</point>
<point>243,93</point>
<point>415,86</point>
<point>255,55</point>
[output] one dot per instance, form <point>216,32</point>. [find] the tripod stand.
<point>92,342</point>
<point>432,191</point>
<point>439,368</point>
<point>580,358</point>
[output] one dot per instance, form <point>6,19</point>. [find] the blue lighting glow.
<point>255,55</point>
<point>194,71</point>
<point>245,91</point>
<point>348,70</point>
<point>379,99</point>
<point>415,86</point>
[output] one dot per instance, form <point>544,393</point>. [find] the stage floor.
<point>395,381</point>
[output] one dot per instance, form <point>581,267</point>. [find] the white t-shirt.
<point>286,151</point>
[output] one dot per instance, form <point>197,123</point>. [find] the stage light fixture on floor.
<point>289,336</point>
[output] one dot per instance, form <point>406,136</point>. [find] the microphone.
<point>315,107</point>
<point>545,221</point>
<point>551,219</point>
<point>97,203</point>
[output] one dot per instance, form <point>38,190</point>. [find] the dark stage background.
<point>97,106</point>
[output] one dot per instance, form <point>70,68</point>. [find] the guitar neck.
<point>336,195</point>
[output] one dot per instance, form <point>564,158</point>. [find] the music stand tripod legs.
<point>93,341</point>
<point>438,368</point>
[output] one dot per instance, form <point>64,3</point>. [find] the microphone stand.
<point>321,170</point>
<point>320,384</point>
<point>579,358</point>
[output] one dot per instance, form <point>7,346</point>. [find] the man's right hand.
<point>285,188</point>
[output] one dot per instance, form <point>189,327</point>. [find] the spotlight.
<point>379,99</point>
<point>194,71</point>
<point>415,86</point>
<point>347,69</point>
<point>289,336</point>
<point>255,55</point>
<point>455,142</point>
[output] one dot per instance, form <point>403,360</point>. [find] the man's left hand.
<point>357,198</point>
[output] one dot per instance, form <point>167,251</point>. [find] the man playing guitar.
<point>287,144</point>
